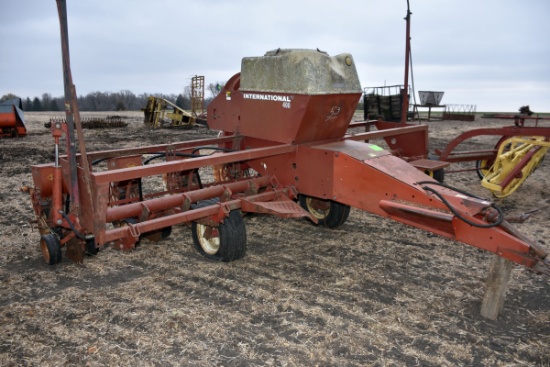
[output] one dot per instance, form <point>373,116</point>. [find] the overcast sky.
<point>494,54</point>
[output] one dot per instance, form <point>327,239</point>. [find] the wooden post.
<point>497,282</point>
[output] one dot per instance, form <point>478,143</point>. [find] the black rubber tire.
<point>438,175</point>
<point>332,214</point>
<point>229,237</point>
<point>166,232</point>
<point>51,248</point>
<point>479,168</point>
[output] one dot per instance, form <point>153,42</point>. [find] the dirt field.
<point>372,292</point>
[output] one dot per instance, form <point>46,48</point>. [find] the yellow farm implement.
<point>160,112</point>
<point>516,159</point>
<point>517,153</point>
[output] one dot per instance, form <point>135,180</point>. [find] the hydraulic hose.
<point>71,225</point>
<point>496,223</point>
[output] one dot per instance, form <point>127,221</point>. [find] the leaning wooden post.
<point>497,282</point>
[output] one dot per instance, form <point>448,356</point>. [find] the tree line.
<point>124,100</point>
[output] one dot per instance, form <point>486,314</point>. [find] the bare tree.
<point>46,101</point>
<point>104,101</point>
<point>215,89</point>
<point>187,92</point>
<point>127,99</point>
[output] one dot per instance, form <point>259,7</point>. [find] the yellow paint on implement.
<point>510,154</point>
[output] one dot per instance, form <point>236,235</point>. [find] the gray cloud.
<point>490,53</point>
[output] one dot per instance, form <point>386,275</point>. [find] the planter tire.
<point>329,213</point>
<point>51,248</point>
<point>226,242</point>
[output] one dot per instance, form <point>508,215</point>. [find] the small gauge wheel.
<point>51,248</point>
<point>329,213</point>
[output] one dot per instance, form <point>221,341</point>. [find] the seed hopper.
<point>284,150</point>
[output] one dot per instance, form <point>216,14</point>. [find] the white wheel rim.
<point>209,239</point>
<point>317,208</point>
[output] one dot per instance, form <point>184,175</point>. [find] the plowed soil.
<point>369,293</point>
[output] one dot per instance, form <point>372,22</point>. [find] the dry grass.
<point>371,292</point>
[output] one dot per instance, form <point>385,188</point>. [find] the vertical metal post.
<point>405,91</point>
<point>73,116</point>
<point>57,188</point>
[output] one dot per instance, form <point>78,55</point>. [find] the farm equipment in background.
<point>197,96</point>
<point>460,112</point>
<point>429,100</point>
<point>517,153</point>
<point>108,122</point>
<point>502,168</point>
<point>160,112</point>
<point>383,103</point>
<point>12,120</point>
<point>515,160</point>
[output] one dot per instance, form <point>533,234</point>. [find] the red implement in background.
<point>12,121</point>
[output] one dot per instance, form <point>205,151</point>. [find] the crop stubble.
<point>372,292</point>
